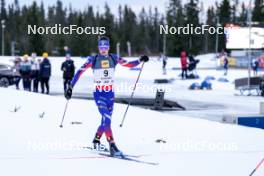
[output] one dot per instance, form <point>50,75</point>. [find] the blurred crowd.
<point>33,72</point>
<point>36,72</point>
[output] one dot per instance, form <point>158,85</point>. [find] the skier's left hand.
<point>144,58</point>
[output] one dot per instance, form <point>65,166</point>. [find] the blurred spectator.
<point>68,69</point>
<point>45,73</point>
<point>25,72</point>
<point>164,60</point>
<point>192,64</point>
<point>226,65</point>
<point>184,64</point>
<point>223,57</point>
<point>17,63</point>
<point>255,66</point>
<point>35,67</point>
<point>67,50</point>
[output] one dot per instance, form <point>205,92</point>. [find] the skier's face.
<point>103,50</point>
<point>103,47</point>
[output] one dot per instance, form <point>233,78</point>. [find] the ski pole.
<point>65,109</point>
<point>132,95</point>
<point>259,164</point>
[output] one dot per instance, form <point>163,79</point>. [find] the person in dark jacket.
<point>68,69</point>
<point>164,60</point>
<point>226,64</point>
<point>192,63</point>
<point>255,66</point>
<point>45,73</point>
<point>17,63</point>
<point>25,72</point>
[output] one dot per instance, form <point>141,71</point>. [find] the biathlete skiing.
<point>103,65</point>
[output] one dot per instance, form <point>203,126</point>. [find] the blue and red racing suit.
<point>104,69</point>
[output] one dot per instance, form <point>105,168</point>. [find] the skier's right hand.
<point>144,58</point>
<point>68,93</point>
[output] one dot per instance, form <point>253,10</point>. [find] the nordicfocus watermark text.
<point>190,29</point>
<point>189,145</point>
<point>58,29</point>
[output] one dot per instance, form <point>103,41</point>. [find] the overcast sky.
<point>136,5</point>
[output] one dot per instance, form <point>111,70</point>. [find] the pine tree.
<point>258,11</point>
<point>3,17</point>
<point>234,10</point>
<point>142,32</point>
<point>60,14</point>
<point>89,20</point>
<point>3,10</point>
<point>79,41</point>
<point>225,12</point>
<point>211,21</point>
<point>175,17</point>
<point>50,44</point>
<point>109,24</point>
<point>36,42</point>
<point>192,17</point>
<point>128,30</point>
<point>225,18</point>
<point>156,45</point>
<point>243,15</point>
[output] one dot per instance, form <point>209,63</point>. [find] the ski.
<point>129,158</point>
<point>132,158</point>
<point>105,156</point>
<point>106,151</point>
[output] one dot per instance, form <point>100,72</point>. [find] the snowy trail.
<point>24,138</point>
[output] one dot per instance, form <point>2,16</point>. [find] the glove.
<point>144,58</point>
<point>68,93</point>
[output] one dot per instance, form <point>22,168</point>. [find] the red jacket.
<point>184,63</point>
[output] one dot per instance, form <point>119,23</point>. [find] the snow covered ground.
<point>33,144</point>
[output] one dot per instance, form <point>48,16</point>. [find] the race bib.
<point>103,76</point>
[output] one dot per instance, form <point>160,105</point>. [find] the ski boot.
<point>114,151</point>
<point>98,146</point>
